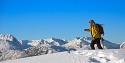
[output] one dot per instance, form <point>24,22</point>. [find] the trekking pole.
<point>102,42</point>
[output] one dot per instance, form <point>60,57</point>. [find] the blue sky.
<point>36,19</point>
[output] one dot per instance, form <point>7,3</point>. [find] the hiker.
<point>96,36</point>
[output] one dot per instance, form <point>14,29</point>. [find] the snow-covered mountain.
<point>38,42</point>
<point>84,43</point>
<point>9,42</point>
<point>77,43</point>
<point>51,42</point>
<point>24,44</point>
<point>39,50</point>
<point>29,48</point>
<point>109,45</point>
<point>57,42</point>
<point>122,46</point>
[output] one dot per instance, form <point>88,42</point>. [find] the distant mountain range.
<point>9,42</point>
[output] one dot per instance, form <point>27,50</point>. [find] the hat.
<point>91,21</point>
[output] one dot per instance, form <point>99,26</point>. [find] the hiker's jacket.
<point>94,31</point>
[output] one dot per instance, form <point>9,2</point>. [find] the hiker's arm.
<point>87,30</point>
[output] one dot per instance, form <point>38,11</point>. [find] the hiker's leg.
<point>98,43</point>
<point>92,44</point>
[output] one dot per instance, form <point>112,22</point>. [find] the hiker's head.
<point>91,22</point>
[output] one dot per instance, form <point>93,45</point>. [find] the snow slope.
<point>12,54</point>
<point>80,56</point>
<point>29,52</point>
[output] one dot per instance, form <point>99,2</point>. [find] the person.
<point>96,36</point>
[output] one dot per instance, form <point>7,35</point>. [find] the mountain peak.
<point>9,37</point>
<point>52,38</point>
<point>8,41</point>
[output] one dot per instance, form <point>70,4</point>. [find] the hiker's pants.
<point>95,41</point>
